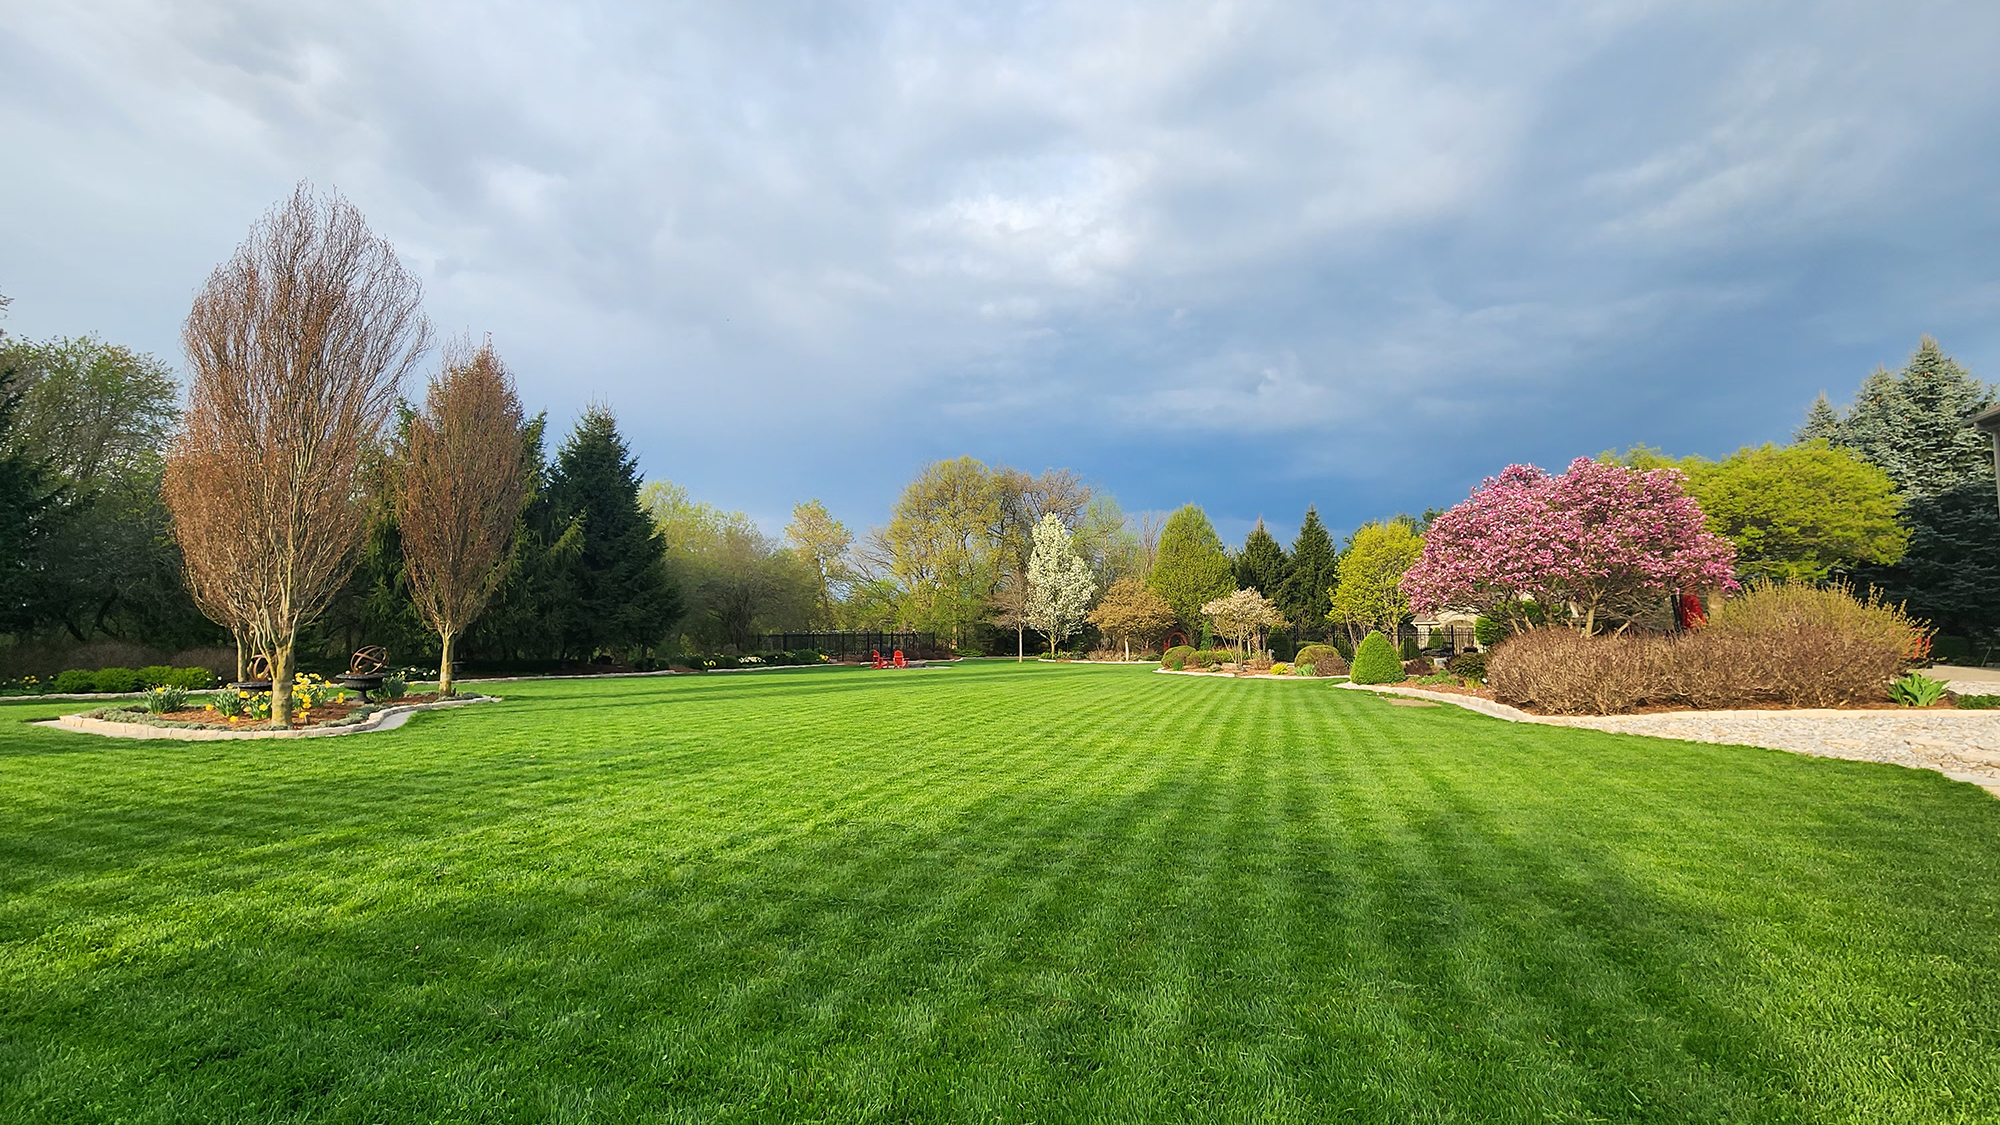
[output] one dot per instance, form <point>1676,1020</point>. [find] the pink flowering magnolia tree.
<point>1605,541</point>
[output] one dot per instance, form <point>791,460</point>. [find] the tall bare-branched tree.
<point>297,345</point>
<point>464,480</point>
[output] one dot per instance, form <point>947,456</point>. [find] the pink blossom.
<point>1606,539</point>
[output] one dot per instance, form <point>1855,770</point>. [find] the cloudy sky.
<point>1251,255</point>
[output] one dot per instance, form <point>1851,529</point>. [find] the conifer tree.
<point>1192,568</point>
<point>1304,597</point>
<point>1912,423</point>
<point>1262,564</point>
<point>615,592</point>
<point>1822,423</point>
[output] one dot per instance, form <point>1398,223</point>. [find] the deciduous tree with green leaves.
<point>1800,512</point>
<point>1367,592</point>
<point>1191,569</point>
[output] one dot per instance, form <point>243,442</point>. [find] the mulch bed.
<point>323,715</point>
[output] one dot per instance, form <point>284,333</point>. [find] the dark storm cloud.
<point>1250,254</point>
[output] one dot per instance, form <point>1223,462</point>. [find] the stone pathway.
<point>1962,745</point>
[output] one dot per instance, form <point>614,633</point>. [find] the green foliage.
<point>1324,660</point>
<point>1262,565</point>
<point>1410,650</point>
<point>74,681</point>
<point>615,595</point>
<point>191,679</point>
<point>1917,690</point>
<point>1798,513</point>
<point>1470,665</point>
<point>1912,424</point>
<point>1976,702</point>
<point>394,686</point>
<point>1177,657</point>
<point>117,681</point>
<point>1313,568</point>
<point>1282,647</point>
<point>153,675</point>
<point>1191,568</point>
<point>1368,590</point>
<point>1951,573</point>
<point>1212,657</point>
<point>1376,662</point>
<point>165,699</point>
<point>230,703</point>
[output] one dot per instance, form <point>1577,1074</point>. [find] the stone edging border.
<point>386,719</point>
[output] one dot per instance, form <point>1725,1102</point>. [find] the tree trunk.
<point>444,665</point>
<point>281,684</point>
<point>242,655</point>
<point>1128,650</point>
<point>1020,644</point>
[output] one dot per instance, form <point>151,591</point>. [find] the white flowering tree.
<point>1060,583</point>
<point>1242,615</point>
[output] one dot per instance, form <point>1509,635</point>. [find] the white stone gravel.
<point>1962,745</point>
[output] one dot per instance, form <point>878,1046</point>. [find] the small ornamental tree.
<point>1606,541</point>
<point>1241,616</point>
<point>463,485</point>
<point>1368,589</point>
<point>1131,609</point>
<point>1059,583</point>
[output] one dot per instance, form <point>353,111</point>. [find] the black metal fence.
<point>921,646</point>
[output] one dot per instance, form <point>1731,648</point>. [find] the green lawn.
<point>986,893</point>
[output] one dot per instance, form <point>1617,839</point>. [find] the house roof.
<point>1987,419</point>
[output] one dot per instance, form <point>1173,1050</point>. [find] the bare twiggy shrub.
<point>1803,646</point>
<point>1821,646</point>
<point>297,345</point>
<point>464,480</point>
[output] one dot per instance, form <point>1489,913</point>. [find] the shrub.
<point>1212,657</point>
<point>74,681</point>
<point>1177,657</point>
<point>166,698</point>
<point>1280,668</point>
<point>1916,690</point>
<point>1470,665</point>
<point>1282,646</point>
<point>1410,649</point>
<point>1821,645</point>
<point>117,680</point>
<point>394,686</point>
<point>155,675</point>
<point>1800,645</point>
<point>1375,662</point>
<point>1324,660</point>
<point>1260,662</point>
<point>1419,666</point>
<point>1436,678</point>
<point>1342,645</point>
<point>1976,702</point>
<point>192,679</point>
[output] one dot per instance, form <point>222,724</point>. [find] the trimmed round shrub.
<point>1325,660</point>
<point>74,681</point>
<point>1470,665</point>
<point>1376,662</point>
<point>117,680</point>
<point>1177,657</point>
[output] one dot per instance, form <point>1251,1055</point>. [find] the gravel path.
<point>1962,745</point>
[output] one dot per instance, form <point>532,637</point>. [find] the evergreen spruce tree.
<point>1192,568</point>
<point>33,505</point>
<point>1304,598</point>
<point>1262,565</point>
<point>1912,424</point>
<point>614,594</point>
<point>1822,423</point>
